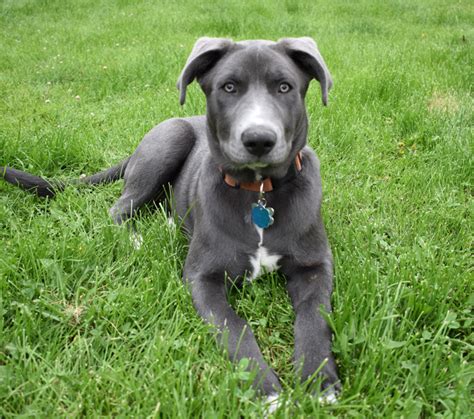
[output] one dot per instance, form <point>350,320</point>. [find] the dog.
<point>248,191</point>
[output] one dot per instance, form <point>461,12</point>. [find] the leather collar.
<point>269,184</point>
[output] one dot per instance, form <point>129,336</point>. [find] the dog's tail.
<point>49,188</point>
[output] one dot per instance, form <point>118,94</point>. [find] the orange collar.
<point>268,184</point>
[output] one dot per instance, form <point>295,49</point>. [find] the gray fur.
<point>191,153</point>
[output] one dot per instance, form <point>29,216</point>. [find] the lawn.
<point>91,327</point>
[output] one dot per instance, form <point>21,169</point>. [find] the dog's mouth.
<point>253,165</point>
<point>252,170</point>
<point>241,161</point>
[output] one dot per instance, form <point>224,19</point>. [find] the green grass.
<point>91,327</point>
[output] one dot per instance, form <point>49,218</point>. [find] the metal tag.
<point>261,215</point>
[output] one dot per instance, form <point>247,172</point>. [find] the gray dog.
<point>247,188</point>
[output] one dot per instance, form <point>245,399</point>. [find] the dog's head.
<point>255,94</point>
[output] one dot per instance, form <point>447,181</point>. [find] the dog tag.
<point>262,216</point>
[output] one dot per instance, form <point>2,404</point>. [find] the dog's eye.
<point>284,88</point>
<point>230,88</point>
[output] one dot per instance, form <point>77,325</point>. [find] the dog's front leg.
<point>210,300</point>
<point>310,288</point>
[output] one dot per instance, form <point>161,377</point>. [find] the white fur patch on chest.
<point>262,261</point>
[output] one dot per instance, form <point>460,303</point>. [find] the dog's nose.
<point>258,141</point>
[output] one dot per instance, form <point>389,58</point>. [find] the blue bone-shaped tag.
<point>261,216</point>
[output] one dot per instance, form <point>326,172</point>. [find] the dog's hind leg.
<point>155,163</point>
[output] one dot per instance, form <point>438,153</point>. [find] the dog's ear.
<point>206,52</point>
<point>305,53</point>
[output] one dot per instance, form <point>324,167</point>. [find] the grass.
<point>90,327</point>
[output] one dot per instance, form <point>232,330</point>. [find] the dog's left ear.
<point>206,52</point>
<point>305,53</point>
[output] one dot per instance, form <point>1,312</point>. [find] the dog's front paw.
<point>330,386</point>
<point>328,396</point>
<point>272,404</point>
<point>137,240</point>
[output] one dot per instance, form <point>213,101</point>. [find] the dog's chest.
<point>262,260</point>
